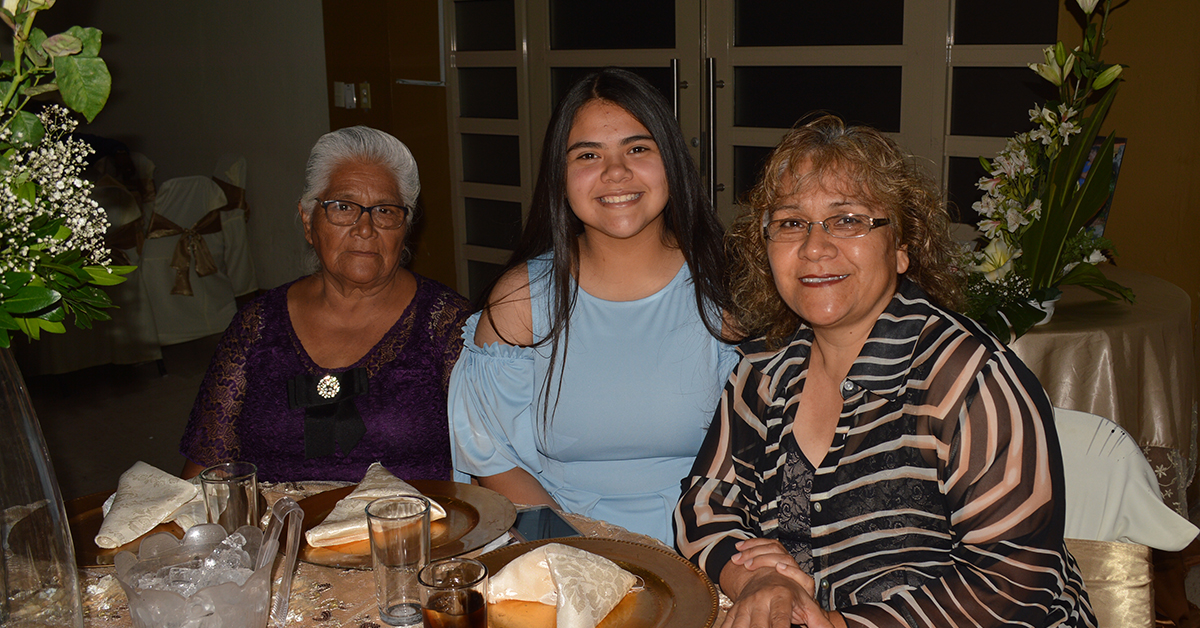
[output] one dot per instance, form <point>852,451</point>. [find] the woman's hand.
<point>769,587</point>
<point>754,554</point>
<point>775,598</point>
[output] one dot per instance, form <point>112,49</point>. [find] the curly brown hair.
<point>816,153</point>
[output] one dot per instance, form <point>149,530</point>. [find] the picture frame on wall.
<point>1098,222</point>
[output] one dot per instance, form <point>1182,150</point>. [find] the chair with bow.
<point>1115,514</point>
<point>196,259</point>
<point>131,337</point>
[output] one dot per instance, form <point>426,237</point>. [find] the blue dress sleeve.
<point>491,409</point>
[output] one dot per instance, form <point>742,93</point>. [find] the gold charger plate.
<point>474,517</point>
<point>676,592</point>
<point>84,516</point>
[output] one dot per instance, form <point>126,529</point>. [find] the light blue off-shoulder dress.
<point>639,387</point>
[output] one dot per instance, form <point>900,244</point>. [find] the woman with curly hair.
<point>877,459</point>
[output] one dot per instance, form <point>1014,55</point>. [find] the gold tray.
<point>84,516</point>
<point>475,516</point>
<point>676,592</point>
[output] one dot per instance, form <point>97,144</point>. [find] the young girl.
<point>589,377</point>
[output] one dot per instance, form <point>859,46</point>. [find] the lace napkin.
<point>146,496</point>
<point>347,522</point>
<point>582,586</point>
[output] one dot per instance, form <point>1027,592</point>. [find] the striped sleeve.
<point>717,509</point>
<point>999,470</point>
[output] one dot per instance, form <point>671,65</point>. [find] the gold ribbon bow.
<point>235,196</point>
<point>191,242</point>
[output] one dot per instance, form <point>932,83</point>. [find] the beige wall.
<point>194,80</point>
<point>1155,218</point>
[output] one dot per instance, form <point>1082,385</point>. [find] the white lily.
<point>1050,70</point>
<point>997,260</point>
<point>1088,5</point>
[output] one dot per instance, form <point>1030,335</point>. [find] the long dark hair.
<point>690,222</point>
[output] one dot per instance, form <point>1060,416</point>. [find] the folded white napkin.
<point>145,497</point>
<point>583,587</point>
<point>347,522</point>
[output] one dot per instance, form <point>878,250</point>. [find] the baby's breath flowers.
<point>1037,198</point>
<point>53,253</point>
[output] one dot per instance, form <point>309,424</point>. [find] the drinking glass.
<point>399,529</point>
<point>454,593</point>
<point>231,494</point>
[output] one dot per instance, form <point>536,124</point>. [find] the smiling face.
<point>616,183</point>
<point>360,254</point>
<point>835,284</point>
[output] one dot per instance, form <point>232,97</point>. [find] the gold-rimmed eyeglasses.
<point>839,226</point>
<point>347,213</point>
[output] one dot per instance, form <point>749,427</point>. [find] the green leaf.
<point>90,295</point>
<point>7,321</point>
<point>34,50</point>
<point>11,282</point>
<point>1090,277</point>
<point>27,129</point>
<point>31,299</point>
<point>54,314</point>
<point>38,90</point>
<point>34,326</point>
<point>89,37</point>
<point>62,45</point>
<point>101,277</point>
<point>7,68</point>
<point>4,341</point>
<point>84,82</point>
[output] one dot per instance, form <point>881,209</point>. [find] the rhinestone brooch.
<point>328,387</point>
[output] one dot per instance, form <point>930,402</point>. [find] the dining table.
<point>1132,363</point>
<point>327,596</point>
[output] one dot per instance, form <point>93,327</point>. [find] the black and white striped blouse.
<point>939,502</point>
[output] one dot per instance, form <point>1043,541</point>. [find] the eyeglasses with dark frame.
<point>347,213</point>
<point>839,226</point>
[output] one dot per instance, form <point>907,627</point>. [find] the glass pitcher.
<point>224,605</point>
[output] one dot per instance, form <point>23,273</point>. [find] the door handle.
<point>710,66</point>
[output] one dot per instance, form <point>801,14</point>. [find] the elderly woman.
<point>876,459</point>
<point>318,378</point>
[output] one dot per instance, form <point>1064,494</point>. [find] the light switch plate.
<point>364,95</point>
<point>348,90</point>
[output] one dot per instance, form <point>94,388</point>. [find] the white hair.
<point>360,143</point>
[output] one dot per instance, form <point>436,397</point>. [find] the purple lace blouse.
<point>242,411</point>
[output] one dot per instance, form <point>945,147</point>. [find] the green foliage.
<point>50,271</point>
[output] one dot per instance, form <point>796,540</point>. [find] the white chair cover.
<point>131,337</point>
<point>231,169</point>
<point>1112,493</point>
<point>179,318</point>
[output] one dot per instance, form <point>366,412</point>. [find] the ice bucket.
<point>189,567</point>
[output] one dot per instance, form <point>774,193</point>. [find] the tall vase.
<point>38,578</point>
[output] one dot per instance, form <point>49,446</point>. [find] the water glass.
<point>231,494</point>
<point>399,529</point>
<point>454,593</point>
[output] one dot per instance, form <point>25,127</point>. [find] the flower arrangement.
<point>52,250</point>
<point>1038,197</point>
